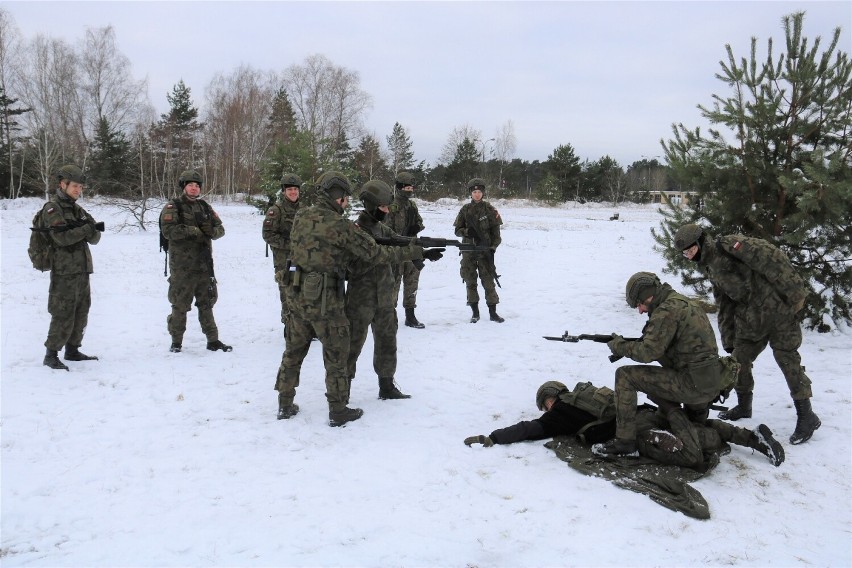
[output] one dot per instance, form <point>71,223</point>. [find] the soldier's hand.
<point>484,440</point>
<point>433,254</point>
<point>207,229</point>
<point>418,264</point>
<point>193,232</point>
<point>100,226</point>
<point>617,344</point>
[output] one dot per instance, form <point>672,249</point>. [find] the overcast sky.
<point>609,78</point>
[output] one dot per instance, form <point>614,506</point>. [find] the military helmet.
<point>375,193</point>
<point>290,180</point>
<point>687,236</point>
<point>334,184</point>
<point>404,178</point>
<point>476,183</point>
<point>188,176</point>
<point>640,287</point>
<point>547,390</point>
<point>70,172</point>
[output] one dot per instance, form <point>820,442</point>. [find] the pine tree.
<point>8,125</point>
<point>464,166</point>
<point>174,138</point>
<point>786,176</point>
<point>111,170</point>
<point>399,147</point>
<point>563,166</point>
<point>368,162</point>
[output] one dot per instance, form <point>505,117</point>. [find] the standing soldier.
<point>479,223</point>
<point>71,231</point>
<point>323,244</point>
<point>404,218</point>
<point>759,295</point>
<point>189,224</point>
<point>277,226</point>
<point>679,337</point>
<point>370,296</point>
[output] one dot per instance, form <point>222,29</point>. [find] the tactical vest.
<point>597,401</point>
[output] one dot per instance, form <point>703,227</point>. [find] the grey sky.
<point>606,77</point>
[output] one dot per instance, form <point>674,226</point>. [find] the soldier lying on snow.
<point>664,434</point>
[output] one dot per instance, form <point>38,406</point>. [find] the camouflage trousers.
<point>183,288</point>
<point>281,293</point>
<point>472,265</point>
<point>408,277</point>
<point>384,324</point>
<point>784,336</point>
<point>333,334</point>
<point>68,304</point>
<point>658,382</point>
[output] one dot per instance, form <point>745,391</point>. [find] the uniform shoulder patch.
<point>738,245</point>
<point>170,205</point>
<point>168,218</point>
<point>271,212</point>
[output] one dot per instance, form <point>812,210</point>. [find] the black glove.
<point>207,229</point>
<point>418,264</point>
<point>728,350</point>
<point>433,254</point>
<point>100,226</point>
<point>484,440</point>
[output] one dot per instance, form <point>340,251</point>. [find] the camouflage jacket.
<point>479,223</point>
<point>678,334</point>
<point>276,230</point>
<point>72,255</point>
<point>371,283</point>
<point>190,250</point>
<point>404,217</point>
<point>750,289</point>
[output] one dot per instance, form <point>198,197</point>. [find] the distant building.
<point>680,198</point>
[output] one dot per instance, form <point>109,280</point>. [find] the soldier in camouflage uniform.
<point>370,295</point>
<point>478,222</point>
<point>679,337</point>
<point>404,218</point>
<point>190,225</point>
<point>759,297</point>
<point>323,244</point>
<point>665,435</point>
<point>277,226</point>
<point>71,232</point>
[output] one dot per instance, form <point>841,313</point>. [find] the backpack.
<point>41,247</point>
<point>597,401</point>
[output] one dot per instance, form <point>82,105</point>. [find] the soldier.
<point>323,244</point>
<point>759,296</point>
<point>404,218</point>
<point>71,231</point>
<point>277,226</point>
<point>190,225</point>
<point>478,222</point>
<point>370,295</point>
<point>679,337</point>
<point>665,435</point>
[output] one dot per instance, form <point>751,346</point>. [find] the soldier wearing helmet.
<point>277,225</point>
<point>404,218</point>
<point>679,337</point>
<point>323,244</point>
<point>478,222</point>
<point>760,295</point>
<point>190,225</point>
<point>664,434</point>
<point>71,231</point>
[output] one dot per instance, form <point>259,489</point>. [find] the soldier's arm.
<point>272,230</point>
<point>53,219</point>
<point>418,221</point>
<point>524,430</point>
<point>726,319</point>
<point>656,337</point>
<point>496,238</point>
<point>172,227</point>
<point>218,227</point>
<point>460,224</point>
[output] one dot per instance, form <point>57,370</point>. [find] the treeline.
<point>79,103</point>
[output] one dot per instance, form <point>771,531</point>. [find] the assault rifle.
<point>597,338</point>
<point>489,256</point>
<point>73,224</point>
<point>429,242</point>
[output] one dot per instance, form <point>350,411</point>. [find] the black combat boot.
<point>388,390</point>
<point>287,410</point>
<point>176,347</point>
<point>218,345</point>
<point>341,417</point>
<point>475,309</point>
<point>741,410</point>
<point>762,441</point>
<point>411,319</point>
<point>74,354</point>
<point>806,422</point>
<point>51,359</point>
<point>492,312</point>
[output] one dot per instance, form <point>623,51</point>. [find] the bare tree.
<point>10,46</point>
<point>505,145</point>
<point>455,139</point>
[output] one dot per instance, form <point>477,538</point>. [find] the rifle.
<point>204,219</point>
<point>73,224</point>
<point>429,242</point>
<point>489,254</point>
<point>597,338</point>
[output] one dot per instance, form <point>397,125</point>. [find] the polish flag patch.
<point>738,245</point>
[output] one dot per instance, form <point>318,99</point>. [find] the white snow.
<point>148,458</point>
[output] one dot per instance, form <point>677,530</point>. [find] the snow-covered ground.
<point>148,458</point>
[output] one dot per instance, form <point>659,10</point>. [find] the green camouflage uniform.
<point>191,263</point>
<point>323,244</point>
<point>756,308</point>
<point>679,337</point>
<point>276,232</point>
<point>404,218</point>
<point>70,295</point>
<point>370,304</point>
<point>479,223</point>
